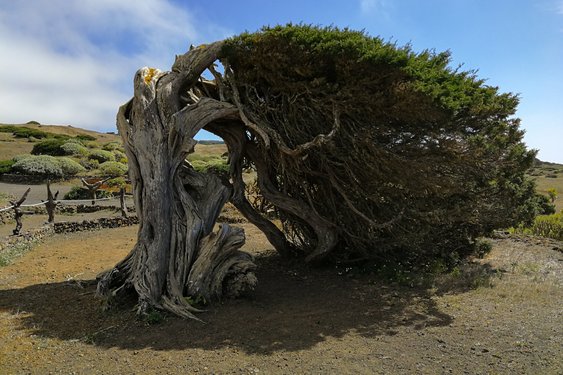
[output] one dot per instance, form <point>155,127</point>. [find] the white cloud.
<point>73,61</point>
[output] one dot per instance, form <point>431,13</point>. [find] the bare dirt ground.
<point>502,315</point>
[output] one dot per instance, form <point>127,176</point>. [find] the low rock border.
<point>33,236</point>
<point>102,223</point>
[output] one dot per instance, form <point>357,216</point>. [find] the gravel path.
<point>37,193</point>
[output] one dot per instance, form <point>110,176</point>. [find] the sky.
<point>72,62</point>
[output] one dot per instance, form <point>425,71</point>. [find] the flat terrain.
<point>501,315</point>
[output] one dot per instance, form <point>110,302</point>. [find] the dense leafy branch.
<point>384,148</point>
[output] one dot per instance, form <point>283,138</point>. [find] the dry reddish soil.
<point>501,315</point>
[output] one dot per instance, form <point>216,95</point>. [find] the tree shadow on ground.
<point>293,308</point>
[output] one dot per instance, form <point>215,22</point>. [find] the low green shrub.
<point>24,132</point>
<point>112,146</point>
<point>119,156</point>
<point>216,166</point>
<point>549,226</point>
<point>209,163</point>
<point>112,168</point>
<point>101,155</point>
<point>80,192</point>
<point>543,205</point>
<point>482,247</point>
<point>85,137</point>
<point>70,167</point>
<point>51,146</point>
<point>8,255</point>
<point>41,165</point>
<point>91,144</point>
<point>154,316</point>
<point>116,182</point>
<point>75,140</point>
<point>89,164</point>
<point>21,157</point>
<point>6,166</point>
<point>47,166</point>
<point>7,128</point>
<point>76,192</point>
<point>74,148</point>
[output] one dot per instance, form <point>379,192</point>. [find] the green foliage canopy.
<point>399,153</point>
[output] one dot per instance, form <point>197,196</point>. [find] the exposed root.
<point>219,259</point>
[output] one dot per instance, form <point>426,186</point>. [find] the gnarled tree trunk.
<point>177,255</point>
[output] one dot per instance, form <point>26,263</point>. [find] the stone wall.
<point>113,222</point>
<point>86,208</point>
<point>34,235</point>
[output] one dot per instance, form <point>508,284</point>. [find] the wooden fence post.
<point>122,202</point>
<point>18,212</point>
<point>51,203</point>
<point>92,188</point>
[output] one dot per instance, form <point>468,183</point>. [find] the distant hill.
<point>549,176</point>
<point>546,168</point>
<point>68,130</point>
<point>546,164</point>
<point>211,142</point>
<point>7,141</point>
<point>12,144</point>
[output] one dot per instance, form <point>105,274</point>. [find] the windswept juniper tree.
<point>365,149</point>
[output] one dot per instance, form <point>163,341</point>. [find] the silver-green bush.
<point>74,148</point>
<point>44,165</point>
<point>112,168</point>
<point>70,167</point>
<point>48,166</point>
<point>101,155</point>
<point>21,157</point>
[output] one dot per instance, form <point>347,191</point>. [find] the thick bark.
<point>326,233</point>
<point>176,255</point>
<point>235,137</point>
<point>240,146</point>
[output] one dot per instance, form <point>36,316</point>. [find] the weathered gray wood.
<point>93,188</point>
<point>18,213</point>
<point>176,254</point>
<point>235,139</point>
<point>50,203</point>
<point>122,204</point>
